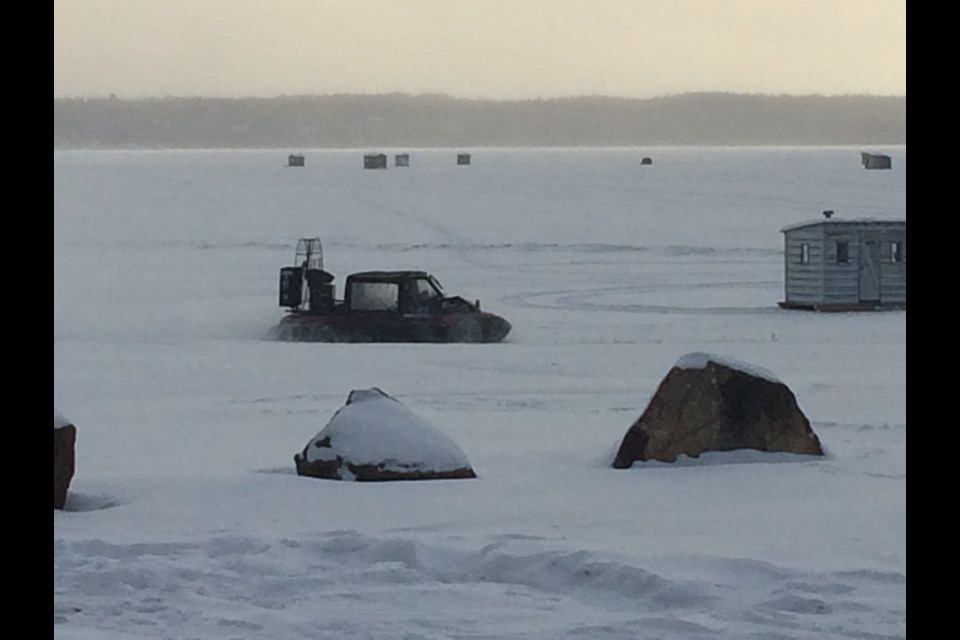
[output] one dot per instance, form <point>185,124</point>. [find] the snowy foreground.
<point>186,518</point>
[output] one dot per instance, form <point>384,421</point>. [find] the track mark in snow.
<point>462,243</point>
<point>283,471</point>
<point>584,299</point>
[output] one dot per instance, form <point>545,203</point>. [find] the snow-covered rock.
<point>375,437</point>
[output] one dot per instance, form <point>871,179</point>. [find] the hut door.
<point>870,269</point>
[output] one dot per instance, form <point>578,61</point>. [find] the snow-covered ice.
<point>186,518</point>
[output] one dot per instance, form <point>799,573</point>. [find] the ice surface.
<point>186,518</point>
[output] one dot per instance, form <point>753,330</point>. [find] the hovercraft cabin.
<point>845,264</point>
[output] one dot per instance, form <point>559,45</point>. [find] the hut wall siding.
<point>893,282</point>
<point>842,295</point>
<point>841,281</point>
<point>806,285</point>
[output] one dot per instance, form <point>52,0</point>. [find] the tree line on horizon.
<point>403,120</point>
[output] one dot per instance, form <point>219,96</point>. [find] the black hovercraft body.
<point>378,306</point>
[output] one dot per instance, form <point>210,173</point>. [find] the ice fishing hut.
<point>836,264</point>
<point>401,160</point>
<point>463,158</point>
<point>875,161</point>
<point>295,160</point>
<point>375,161</point>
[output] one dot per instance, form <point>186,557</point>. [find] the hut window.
<point>843,252</point>
<point>804,253</point>
<point>896,251</point>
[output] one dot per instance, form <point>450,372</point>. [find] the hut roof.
<point>843,222</point>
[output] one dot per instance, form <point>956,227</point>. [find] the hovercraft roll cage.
<point>307,286</point>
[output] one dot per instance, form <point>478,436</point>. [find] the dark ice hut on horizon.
<point>295,160</point>
<point>875,161</point>
<point>845,264</point>
<point>401,160</point>
<point>463,158</point>
<point>375,161</point>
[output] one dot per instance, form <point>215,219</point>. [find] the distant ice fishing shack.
<point>836,264</point>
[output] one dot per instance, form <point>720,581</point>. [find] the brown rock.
<point>64,463</point>
<point>706,403</point>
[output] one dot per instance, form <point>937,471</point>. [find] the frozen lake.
<point>186,519</point>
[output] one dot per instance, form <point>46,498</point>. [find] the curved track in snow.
<point>592,299</point>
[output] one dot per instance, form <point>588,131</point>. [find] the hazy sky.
<point>477,48</point>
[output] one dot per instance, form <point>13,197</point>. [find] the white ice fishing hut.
<point>836,264</point>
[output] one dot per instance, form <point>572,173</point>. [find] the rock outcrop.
<point>64,459</point>
<point>709,403</point>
